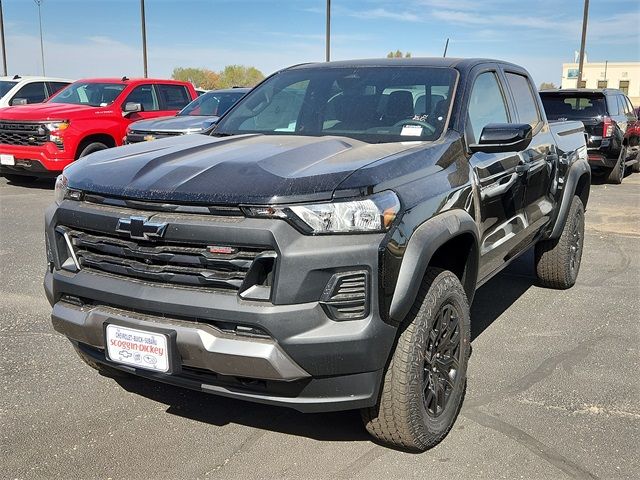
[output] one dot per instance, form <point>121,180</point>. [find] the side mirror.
<point>19,101</point>
<point>132,107</point>
<point>503,137</point>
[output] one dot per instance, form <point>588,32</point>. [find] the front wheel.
<point>558,260</point>
<point>425,381</point>
<point>92,147</point>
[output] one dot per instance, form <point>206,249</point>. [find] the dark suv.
<point>608,116</point>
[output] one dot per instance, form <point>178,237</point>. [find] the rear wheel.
<point>558,260</point>
<point>616,174</point>
<point>425,382</point>
<point>636,166</point>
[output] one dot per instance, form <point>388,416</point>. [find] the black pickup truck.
<point>320,248</point>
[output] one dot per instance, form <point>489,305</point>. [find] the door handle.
<point>498,189</point>
<point>523,167</point>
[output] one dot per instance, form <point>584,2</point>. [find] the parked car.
<point>19,90</point>
<point>196,117</point>
<point>87,116</point>
<point>320,249</point>
<point>606,115</point>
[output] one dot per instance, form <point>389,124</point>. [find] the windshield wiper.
<point>221,134</point>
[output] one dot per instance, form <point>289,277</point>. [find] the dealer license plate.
<point>138,348</point>
<point>7,159</point>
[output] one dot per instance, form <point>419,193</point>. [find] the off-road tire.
<point>558,260</point>
<point>616,174</point>
<point>400,419</point>
<point>92,147</point>
<point>635,168</point>
<point>13,178</point>
<point>104,370</point>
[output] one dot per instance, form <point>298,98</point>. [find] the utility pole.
<point>328,33</point>
<point>585,15</point>
<point>39,4</point>
<point>144,37</point>
<point>446,45</point>
<point>4,47</point>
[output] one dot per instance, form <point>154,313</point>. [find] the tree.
<point>239,76</point>
<point>398,54</point>
<point>547,86</point>
<point>199,77</point>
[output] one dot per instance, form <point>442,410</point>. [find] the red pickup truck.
<point>89,115</point>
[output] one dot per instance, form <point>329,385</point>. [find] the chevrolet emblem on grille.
<point>140,228</point>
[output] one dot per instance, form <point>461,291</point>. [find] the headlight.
<point>371,214</point>
<point>57,126</point>
<point>63,192</point>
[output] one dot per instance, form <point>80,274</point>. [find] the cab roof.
<point>450,62</point>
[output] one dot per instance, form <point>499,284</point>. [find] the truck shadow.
<point>491,301</point>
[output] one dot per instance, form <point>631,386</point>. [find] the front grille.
<point>136,136</point>
<point>164,262</point>
<point>14,133</point>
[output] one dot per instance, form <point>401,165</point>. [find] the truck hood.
<point>176,123</point>
<point>45,111</point>
<point>243,169</point>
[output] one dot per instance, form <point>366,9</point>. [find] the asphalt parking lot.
<point>554,388</point>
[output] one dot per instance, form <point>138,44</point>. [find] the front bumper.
<point>45,160</point>
<point>306,360</point>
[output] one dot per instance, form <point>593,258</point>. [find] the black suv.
<point>607,115</point>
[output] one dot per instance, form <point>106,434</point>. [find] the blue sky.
<point>102,37</point>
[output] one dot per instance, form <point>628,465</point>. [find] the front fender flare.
<point>424,242</point>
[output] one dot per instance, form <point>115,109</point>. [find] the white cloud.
<point>383,13</point>
<point>98,56</point>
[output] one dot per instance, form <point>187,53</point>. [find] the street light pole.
<point>4,47</point>
<point>144,37</point>
<point>328,33</point>
<point>39,4</point>
<point>585,15</point>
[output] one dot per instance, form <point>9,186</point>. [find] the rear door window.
<point>613,105</point>
<point>173,97</point>
<point>525,102</point>
<point>486,105</point>
<point>55,87</point>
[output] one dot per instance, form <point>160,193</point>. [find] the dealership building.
<point>624,76</point>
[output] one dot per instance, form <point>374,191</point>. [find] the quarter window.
<point>524,100</point>
<point>486,105</point>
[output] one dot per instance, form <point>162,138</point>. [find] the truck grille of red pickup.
<point>208,266</point>
<point>15,133</point>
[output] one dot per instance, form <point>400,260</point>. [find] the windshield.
<point>573,106</point>
<point>5,86</point>
<point>372,104</point>
<point>211,103</point>
<point>93,94</point>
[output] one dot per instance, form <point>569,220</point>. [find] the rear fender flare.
<point>576,172</point>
